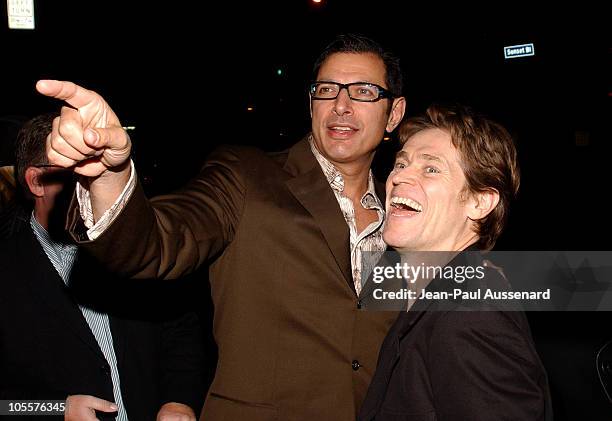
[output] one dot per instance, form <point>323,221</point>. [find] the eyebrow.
<point>429,157</point>
<point>425,156</point>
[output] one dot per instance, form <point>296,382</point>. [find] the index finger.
<point>72,93</point>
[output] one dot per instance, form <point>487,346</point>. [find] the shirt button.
<point>105,369</point>
<point>355,365</point>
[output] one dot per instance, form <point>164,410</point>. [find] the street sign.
<point>523,50</point>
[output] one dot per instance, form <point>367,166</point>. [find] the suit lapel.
<point>388,358</point>
<point>46,283</point>
<point>312,190</point>
<point>405,323</point>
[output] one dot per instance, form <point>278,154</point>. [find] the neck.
<point>466,242</point>
<point>435,256</point>
<point>355,176</point>
<point>52,222</point>
<point>42,217</point>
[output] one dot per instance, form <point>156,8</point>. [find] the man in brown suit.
<point>283,234</point>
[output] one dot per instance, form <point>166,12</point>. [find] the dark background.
<point>184,75</point>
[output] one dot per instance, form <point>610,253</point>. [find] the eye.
<point>432,170</point>
<point>399,165</point>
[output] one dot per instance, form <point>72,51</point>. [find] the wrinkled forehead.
<point>433,142</point>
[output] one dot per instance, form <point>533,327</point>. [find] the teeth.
<point>408,202</point>
<point>346,129</point>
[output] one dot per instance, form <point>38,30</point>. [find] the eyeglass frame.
<point>66,171</point>
<point>47,166</point>
<point>382,92</point>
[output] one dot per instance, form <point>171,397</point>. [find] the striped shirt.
<point>368,245</point>
<point>63,256</point>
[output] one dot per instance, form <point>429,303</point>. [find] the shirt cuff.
<point>95,229</point>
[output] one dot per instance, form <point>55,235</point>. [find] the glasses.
<point>47,166</point>
<point>357,91</point>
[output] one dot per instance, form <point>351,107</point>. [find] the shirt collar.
<point>335,179</point>
<point>370,200</point>
<point>43,235</point>
<point>333,176</point>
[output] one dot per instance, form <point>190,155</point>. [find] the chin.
<point>340,155</point>
<point>393,241</point>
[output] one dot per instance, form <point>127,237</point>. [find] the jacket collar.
<point>310,187</point>
<point>46,283</point>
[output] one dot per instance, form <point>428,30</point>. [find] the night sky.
<point>185,74</point>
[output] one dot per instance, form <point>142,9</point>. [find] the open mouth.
<point>341,130</point>
<point>406,204</point>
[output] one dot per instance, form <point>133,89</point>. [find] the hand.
<point>174,411</point>
<point>84,407</point>
<point>88,135</point>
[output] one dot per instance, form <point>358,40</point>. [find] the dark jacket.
<point>459,361</point>
<point>47,350</point>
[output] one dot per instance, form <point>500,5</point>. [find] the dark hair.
<point>30,146</point>
<point>359,44</point>
<point>488,158</point>
<point>9,127</point>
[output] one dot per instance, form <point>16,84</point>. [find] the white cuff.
<point>95,229</point>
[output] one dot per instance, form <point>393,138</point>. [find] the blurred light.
<point>386,138</point>
<point>129,127</point>
<point>582,138</point>
<point>279,72</point>
<point>316,1</point>
<point>250,108</point>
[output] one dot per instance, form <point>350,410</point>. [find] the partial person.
<point>283,233</point>
<point>447,200</point>
<point>69,332</point>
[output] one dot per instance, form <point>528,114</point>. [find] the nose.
<point>406,175</point>
<point>343,104</point>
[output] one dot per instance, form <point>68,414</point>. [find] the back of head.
<point>488,158</point>
<point>30,146</point>
<point>359,44</point>
<point>9,127</point>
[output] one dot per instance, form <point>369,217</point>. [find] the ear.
<point>481,204</point>
<point>32,179</point>
<point>397,113</point>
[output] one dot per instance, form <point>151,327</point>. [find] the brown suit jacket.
<point>293,344</point>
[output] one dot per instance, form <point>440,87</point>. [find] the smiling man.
<point>430,205</point>
<point>282,233</point>
<point>448,195</point>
